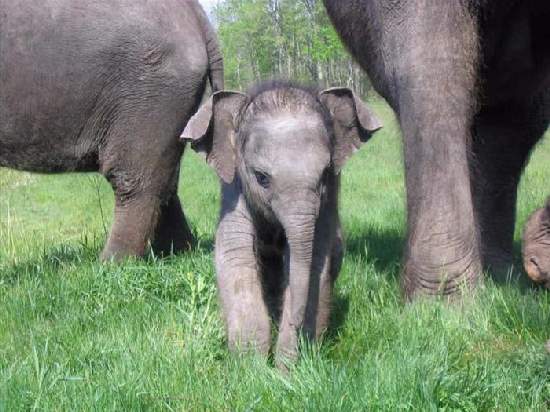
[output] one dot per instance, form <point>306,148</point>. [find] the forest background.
<point>282,39</point>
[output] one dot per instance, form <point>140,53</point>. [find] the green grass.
<point>147,335</point>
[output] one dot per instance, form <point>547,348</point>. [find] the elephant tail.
<point>215,58</point>
<point>215,61</point>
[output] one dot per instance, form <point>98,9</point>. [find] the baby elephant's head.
<point>536,246</point>
<point>283,143</point>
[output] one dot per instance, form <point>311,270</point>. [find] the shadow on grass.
<point>382,248</point>
<point>338,316</point>
<point>514,276</point>
<point>49,261</point>
<point>52,259</point>
<point>203,244</point>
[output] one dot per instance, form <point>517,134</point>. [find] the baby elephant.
<point>536,246</point>
<point>278,151</point>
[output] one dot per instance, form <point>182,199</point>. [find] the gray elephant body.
<point>253,256</point>
<point>278,152</point>
<point>108,86</point>
<point>536,246</point>
<point>469,81</point>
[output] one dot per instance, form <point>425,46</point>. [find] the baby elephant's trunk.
<point>299,225</point>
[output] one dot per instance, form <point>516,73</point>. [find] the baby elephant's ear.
<point>354,122</point>
<point>212,129</point>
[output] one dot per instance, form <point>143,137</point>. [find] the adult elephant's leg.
<point>138,200</point>
<point>436,72</point>
<point>503,139</point>
<point>140,159</point>
<point>133,226</point>
<point>172,233</point>
<point>422,56</point>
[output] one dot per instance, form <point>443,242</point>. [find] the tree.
<point>290,39</point>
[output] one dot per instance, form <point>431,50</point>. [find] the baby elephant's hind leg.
<point>328,277</point>
<point>272,272</point>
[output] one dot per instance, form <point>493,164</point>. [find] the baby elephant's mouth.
<point>536,273</point>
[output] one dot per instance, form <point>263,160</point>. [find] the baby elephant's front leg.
<point>239,283</point>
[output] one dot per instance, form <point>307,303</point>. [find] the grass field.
<point>147,335</point>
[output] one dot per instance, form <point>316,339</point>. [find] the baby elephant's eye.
<point>262,179</point>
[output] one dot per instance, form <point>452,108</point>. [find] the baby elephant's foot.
<point>249,332</point>
<point>286,354</point>
<point>249,341</point>
<point>536,246</point>
<point>537,271</point>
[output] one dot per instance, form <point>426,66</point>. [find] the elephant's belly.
<point>43,159</point>
<point>47,124</point>
<point>522,84</point>
<point>518,58</point>
<point>47,153</point>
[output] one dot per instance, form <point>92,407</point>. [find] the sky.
<point>208,4</point>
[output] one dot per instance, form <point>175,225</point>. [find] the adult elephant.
<point>108,86</point>
<point>469,82</point>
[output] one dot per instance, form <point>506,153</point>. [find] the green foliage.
<point>291,39</point>
<point>146,335</point>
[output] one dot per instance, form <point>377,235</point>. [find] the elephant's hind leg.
<point>133,226</point>
<point>146,213</point>
<point>502,142</point>
<point>140,159</point>
<point>172,234</point>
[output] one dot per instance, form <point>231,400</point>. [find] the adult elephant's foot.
<point>132,228</point>
<point>440,271</point>
<point>172,234</point>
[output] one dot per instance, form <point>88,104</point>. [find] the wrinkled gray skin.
<point>536,246</point>
<point>108,86</point>
<point>278,152</point>
<point>469,81</point>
